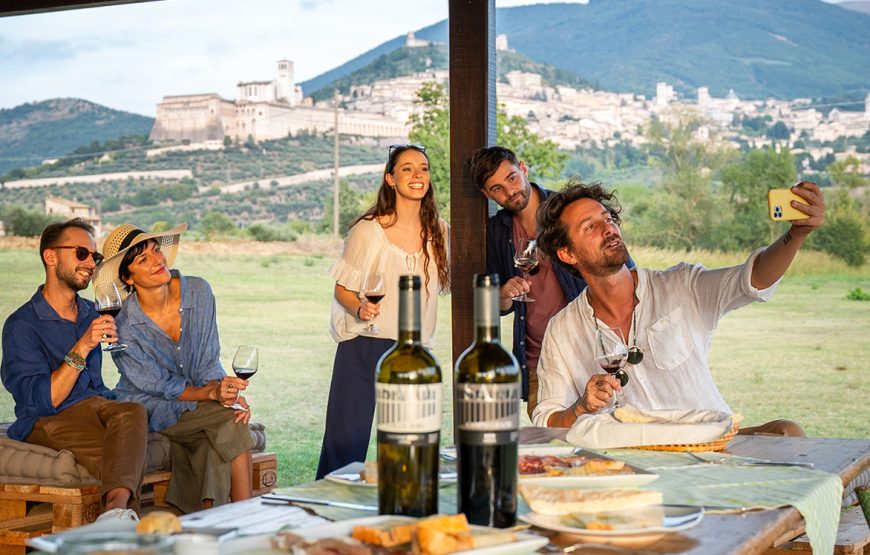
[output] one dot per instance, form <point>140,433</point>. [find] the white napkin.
<point>674,426</point>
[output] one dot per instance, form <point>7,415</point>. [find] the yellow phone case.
<point>779,205</point>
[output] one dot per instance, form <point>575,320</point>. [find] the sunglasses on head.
<point>82,254</point>
<point>421,148</point>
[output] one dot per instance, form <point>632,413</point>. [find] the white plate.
<point>350,475</point>
<point>676,519</point>
<point>639,477</point>
<point>523,542</point>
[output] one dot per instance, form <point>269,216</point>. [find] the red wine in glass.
<point>245,373</point>
<point>111,311</point>
<point>244,366</point>
<point>374,298</point>
<point>611,355</point>
<point>108,301</point>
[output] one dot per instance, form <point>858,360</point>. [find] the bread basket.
<point>716,445</point>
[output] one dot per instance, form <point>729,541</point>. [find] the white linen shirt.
<point>367,248</point>
<point>678,311</point>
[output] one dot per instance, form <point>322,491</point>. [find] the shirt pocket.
<point>669,340</point>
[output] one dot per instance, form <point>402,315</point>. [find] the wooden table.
<point>755,531</point>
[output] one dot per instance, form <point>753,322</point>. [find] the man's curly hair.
<point>552,233</point>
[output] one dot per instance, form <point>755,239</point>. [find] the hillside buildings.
<point>68,209</point>
<point>572,118</point>
<point>262,111</point>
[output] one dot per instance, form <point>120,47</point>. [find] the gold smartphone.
<point>779,205</point>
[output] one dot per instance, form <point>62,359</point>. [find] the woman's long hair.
<point>385,207</point>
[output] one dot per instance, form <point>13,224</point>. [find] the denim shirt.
<point>154,369</point>
<point>35,341</point>
<point>500,260</point>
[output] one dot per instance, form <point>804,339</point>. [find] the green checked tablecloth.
<point>816,495</point>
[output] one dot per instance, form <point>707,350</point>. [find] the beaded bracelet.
<point>75,360</point>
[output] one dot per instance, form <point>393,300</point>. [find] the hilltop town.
<point>572,118</point>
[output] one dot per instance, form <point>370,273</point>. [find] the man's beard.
<point>611,262</point>
<point>72,279</point>
<point>520,201</point>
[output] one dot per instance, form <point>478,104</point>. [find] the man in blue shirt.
<point>52,366</point>
<point>504,179</point>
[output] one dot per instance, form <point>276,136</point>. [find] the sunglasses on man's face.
<point>421,148</point>
<point>82,254</point>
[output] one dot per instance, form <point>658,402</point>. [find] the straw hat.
<point>121,240</point>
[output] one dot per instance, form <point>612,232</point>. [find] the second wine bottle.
<point>486,398</point>
<point>408,416</point>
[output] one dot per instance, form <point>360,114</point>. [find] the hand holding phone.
<point>779,205</point>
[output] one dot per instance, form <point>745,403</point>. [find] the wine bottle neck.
<point>486,314</point>
<point>409,315</point>
<point>409,337</point>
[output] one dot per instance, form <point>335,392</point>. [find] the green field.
<point>800,356</point>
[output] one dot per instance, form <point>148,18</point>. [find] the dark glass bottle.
<point>486,400</point>
<point>408,415</point>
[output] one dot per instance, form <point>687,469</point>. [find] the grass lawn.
<point>801,356</point>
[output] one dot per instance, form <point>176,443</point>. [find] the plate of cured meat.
<point>569,467</point>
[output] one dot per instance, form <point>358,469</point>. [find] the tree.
<point>779,131</point>
<point>682,211</point>
<point>540,155</point>
<point>431,128</point>
<point>746,184</point>
<point>22,222</point>
<point>216,224</point>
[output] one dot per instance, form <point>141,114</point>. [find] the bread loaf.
<point>552,501</point>
<point>159,522</point>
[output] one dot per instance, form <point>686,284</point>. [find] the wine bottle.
<point>487,411</point>
<point>408,415</point>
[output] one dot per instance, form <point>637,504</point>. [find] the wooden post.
<point>472,126</point>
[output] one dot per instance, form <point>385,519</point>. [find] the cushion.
<point>25,463</point>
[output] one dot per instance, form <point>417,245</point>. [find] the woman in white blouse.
<point>401,234</point>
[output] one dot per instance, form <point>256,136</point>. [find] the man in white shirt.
<point>666,317</point>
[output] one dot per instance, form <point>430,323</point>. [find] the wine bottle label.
<point>409,408</point>
<point>487,407</point>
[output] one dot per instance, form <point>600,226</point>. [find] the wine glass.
<point>526,260</point>
<point>108,301</point>
<point>611,355</point>
<point>244,366</point>
<point>373,289</point>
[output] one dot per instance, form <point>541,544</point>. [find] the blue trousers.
<point>351,405</point>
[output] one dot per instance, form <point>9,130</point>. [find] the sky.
<point>128,57</point>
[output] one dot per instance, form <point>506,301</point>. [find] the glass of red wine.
<point>108,301</point>
<point>526,260</point>
<point>244,366</point>
<point>373,289</point>
<point>611,356</point>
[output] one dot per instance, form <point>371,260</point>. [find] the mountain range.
<point>758,48</point>
<point>32,132</point>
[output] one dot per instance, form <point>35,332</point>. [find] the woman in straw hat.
<point>172,366</point>
<point>401,234</point>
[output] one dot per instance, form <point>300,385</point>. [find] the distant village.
<point>572,118</point>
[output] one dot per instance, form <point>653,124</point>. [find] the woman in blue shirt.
<point>172,366</point>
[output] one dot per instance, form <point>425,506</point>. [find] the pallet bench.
<point>31,510</point>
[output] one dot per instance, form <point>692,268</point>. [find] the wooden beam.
<point>18,7</point>
<point>472,126</point>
